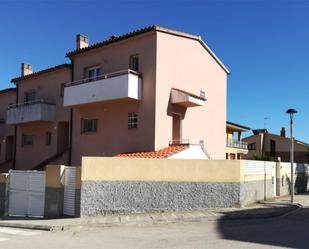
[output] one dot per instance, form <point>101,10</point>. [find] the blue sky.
<point>265,44</point>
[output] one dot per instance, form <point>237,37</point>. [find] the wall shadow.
<point>289,231</point>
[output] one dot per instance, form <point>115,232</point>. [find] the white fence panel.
<point>258,167</point>
<point>26,193</point>
<point>69,191</point>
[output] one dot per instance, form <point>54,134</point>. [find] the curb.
<point>151,220</point>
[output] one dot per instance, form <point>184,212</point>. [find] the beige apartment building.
<point>138,92</point>
<point>272,146</point>
<point>7,97</point>
<point>236,148</point>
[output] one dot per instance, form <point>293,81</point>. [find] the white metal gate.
<point>69,191</point>
<point>26,193</point>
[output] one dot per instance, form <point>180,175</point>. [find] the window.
<point>272,148</point>
<point>62,90</point>
<point>89,125</point>
<point>27,140</point>
<point>48,138</point>
<point>93,73</point>
<point>132,120</point>
<point>252,146</point>
<point>29,96</point>
<point>134,63</point>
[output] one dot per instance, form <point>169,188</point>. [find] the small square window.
<point>252,146</point>
<point>27,140</point>
<point>48,138</point>
<point>29,96</point>
<point>93,73</point>
<point>134,63</point>
<point>89,125</point>
<point>132,120</point>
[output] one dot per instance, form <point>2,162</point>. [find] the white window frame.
<point>96,74</point>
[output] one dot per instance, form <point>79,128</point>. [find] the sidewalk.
<point>269,209</point>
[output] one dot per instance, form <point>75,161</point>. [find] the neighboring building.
<point>41,120</point>
<point>235,147</point>
<point>143,91</point>
<point>267,145</point>
<point>7,97</point>
<point>184,151</point>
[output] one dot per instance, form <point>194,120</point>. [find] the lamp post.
<point>292,112</point>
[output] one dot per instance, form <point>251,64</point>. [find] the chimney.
<point>26,69</point>
<point>81,41</point>
<point>283,132</point>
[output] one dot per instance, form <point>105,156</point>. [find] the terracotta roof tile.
<point>160,154</point>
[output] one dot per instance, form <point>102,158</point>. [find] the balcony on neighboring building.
<point>126,84</point>
<point>32,111</point>
<point>236,144</point>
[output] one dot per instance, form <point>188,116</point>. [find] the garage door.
<point>26,193</point>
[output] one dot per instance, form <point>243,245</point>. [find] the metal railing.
<point>32,102</point>
<point>102,77</point>
<point>236,144</point>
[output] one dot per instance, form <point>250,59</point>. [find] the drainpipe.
<point>15,132</point>
<point>71,118</point>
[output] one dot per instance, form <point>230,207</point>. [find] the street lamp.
<point>292,112</point>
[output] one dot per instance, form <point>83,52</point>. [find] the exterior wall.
<point>53,192</point>
<point>113,115</point>
<point>3,194</point>
<point>6,131</point>
<point>47,87</point>
<point>193,152</point>
<point>185,64</point>
<point>157,185</point>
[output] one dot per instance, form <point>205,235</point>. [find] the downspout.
<point>15,132</point>
<point>71,118</point>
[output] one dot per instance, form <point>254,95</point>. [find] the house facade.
<point>143,91</point>
<point>272,146</point>
<point>236,148</point>
<point>41,120</point>
<point>7,140</point>
<point>140,91</point>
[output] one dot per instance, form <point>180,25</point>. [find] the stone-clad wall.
<point>124,185</point>
<point>118,185</point>
<point>102,197</point>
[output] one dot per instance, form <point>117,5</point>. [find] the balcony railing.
<point>236,144</point>
<point>37,110</point>
<point>125,84</point>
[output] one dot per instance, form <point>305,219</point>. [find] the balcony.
<point>237,144</point>
<point>120,85</point>
<point>186,99</point>
<point>32,111</point>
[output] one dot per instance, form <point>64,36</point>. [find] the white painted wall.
<point>119,87</point>
<point>193,152</point>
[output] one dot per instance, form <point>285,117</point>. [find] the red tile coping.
<point>160,154</point>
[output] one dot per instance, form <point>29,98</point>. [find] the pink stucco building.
<point>146,89</point>
<point>140,91</point>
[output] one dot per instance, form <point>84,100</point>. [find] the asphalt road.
<point>291,231</point>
